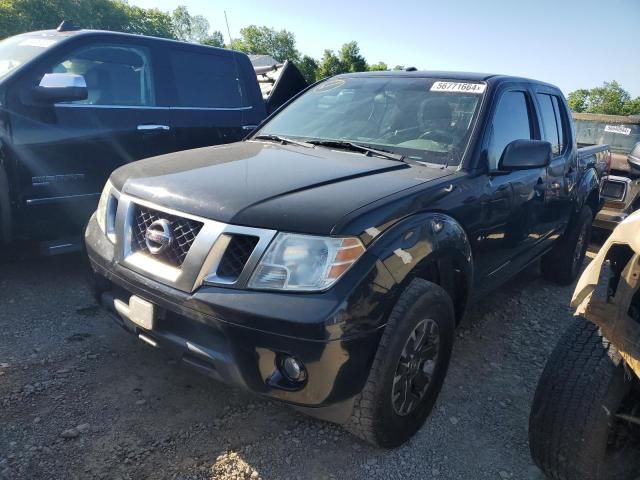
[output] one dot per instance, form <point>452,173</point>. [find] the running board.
<point>58,247</point>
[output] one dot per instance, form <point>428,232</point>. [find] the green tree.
<point>189,28</point>
<point>351,59</point>
<point>632,107</point>
<point>577,100</point>
<point>214,40</point>
<point>309,68</point>
<point>399,67</point>
<point>609,99</point>
<point>378,67</point>
<point>17,16</point>
<point>281,45</point>
<point>330,65</point>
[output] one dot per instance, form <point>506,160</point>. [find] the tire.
<point>381,416</point>
<point>572,421</point>
<point>562,264</point>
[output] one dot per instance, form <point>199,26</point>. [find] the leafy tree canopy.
<point>18,16</point>
<point>378,67</point>
<point>609,99</point>
<point>281,45</point>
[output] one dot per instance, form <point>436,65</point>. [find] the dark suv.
<point>77,104</point>
<point>326,260</point>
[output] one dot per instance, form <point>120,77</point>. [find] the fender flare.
<point>589,183</point>
<point>429,245</point>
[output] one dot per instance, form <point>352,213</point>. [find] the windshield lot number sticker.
<point>617,129</point>
<point>458,87</point>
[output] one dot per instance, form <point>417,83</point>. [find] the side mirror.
<point>523,154</point>
<point>61,87</point>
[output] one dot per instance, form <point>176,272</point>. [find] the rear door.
<point>561,173</point>
<point>66,151</point>
<point>212,98</point>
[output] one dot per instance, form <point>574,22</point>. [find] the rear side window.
<point>511,122</point>
<point>551,122</point>
<point>205,80</point>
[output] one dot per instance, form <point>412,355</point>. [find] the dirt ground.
<point>81,399</point>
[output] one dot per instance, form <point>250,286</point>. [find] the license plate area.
<point>138,311</point>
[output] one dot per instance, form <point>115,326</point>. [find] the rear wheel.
<point>575,428</point>
<point>562,264</point>
<point>408,369</point>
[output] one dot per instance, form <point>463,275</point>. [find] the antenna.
<point>228,29</point>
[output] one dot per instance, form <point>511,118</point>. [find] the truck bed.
<point>597,156</point>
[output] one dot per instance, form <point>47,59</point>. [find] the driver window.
<point>511,122</point>
<point>118,75</point>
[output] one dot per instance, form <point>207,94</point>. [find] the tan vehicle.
<point>621,190</point>
<point>585,418</point>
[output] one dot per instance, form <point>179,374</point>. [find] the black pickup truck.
<point>326,260</point>
<point>76,104</point>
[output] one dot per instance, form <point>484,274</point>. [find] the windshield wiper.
<point>356,146</point>
<point>283,140</point>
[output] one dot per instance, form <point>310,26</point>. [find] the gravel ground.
<point>80,398</point>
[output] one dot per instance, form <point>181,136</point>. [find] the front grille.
<point>236,256</point>
<point>184,232</point>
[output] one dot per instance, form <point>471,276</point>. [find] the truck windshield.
<point>15,51</point>
<point>423,119</point>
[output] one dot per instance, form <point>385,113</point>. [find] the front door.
<point>66,151</point>
<point>512,203</point>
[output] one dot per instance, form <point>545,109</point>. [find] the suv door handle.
<point>153,128</point>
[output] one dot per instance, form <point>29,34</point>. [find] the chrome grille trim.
<point>185,231</point>
<point>200,262</point>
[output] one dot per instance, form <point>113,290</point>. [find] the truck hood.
<point>267,185</point>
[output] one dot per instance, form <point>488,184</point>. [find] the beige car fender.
<point>612,314</point>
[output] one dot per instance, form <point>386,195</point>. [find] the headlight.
<point>106,211</point>
<point>305,262</point>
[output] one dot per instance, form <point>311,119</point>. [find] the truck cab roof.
<point>489,78</point>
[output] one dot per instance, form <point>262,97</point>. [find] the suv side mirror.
<point>523,154</point>
<point>61,87</point>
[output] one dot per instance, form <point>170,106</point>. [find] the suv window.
<point>552,128</point>
<point>115,74</point>
<point>205,80</point>
<point>511,122</point>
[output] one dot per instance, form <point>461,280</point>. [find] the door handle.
<point>153,128</point>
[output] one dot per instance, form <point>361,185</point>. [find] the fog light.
<point>293,369</point>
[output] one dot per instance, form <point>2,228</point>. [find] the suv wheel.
<point>408,369</point>
<point>575,429</point>
<point>562,264</point>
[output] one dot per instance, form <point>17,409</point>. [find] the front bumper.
<point>238,336</point>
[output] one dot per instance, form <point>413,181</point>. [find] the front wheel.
<point>408,369</point>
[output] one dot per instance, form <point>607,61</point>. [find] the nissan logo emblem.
<point>158,236</point>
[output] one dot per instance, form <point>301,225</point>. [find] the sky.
<point>570,43</point>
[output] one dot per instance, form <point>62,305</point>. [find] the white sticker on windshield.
<point>458,87</point>
<point>38,42</point>
<point>617,129</point>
